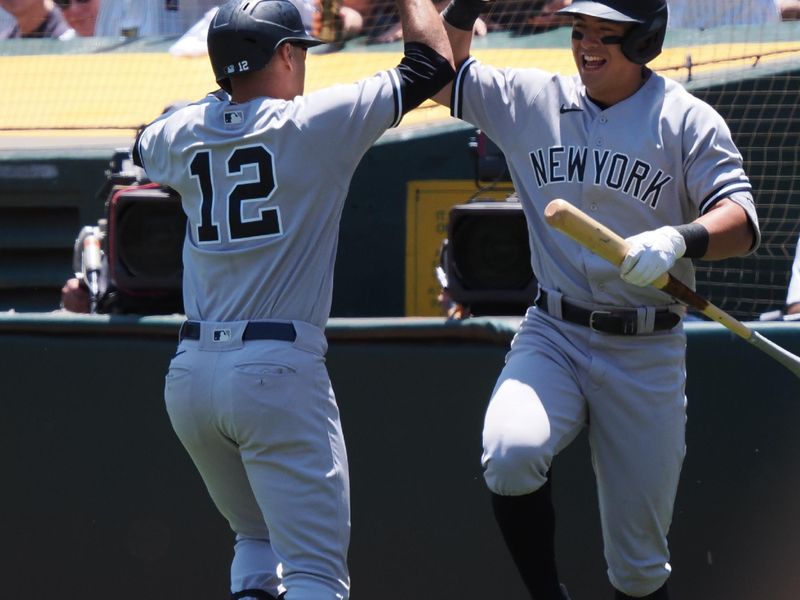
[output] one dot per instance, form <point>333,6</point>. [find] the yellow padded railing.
<point>88,92</point>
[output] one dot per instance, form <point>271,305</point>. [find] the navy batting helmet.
<point>643,42</point>
<point>245,34</point>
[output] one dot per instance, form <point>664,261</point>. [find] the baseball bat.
<point>608,245</point>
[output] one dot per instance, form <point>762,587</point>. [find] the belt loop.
<point>645,319</point>
<point>182,330</point>
<point>554,304</point>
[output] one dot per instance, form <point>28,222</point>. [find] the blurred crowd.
<point>373,21</point>
<point>66,19</point>
<point>376,21</point>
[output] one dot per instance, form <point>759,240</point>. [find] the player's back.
<point>263,199</point>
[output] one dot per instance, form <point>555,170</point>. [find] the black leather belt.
<point>254,330</point>
<point>618,321</point>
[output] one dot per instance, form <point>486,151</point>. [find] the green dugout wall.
<point>99,499</point>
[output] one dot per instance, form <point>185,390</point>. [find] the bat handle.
<point>598,238</point>
<point>591,234</point>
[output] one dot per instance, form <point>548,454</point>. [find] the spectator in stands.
<point>793,295</point>
<point>382,23</point>
<point>193,41</point>
<point>35,19</point>
<point>790,10</point>
<point>519,16</point>
<point>81,15</point>
<point>352,19</point>
<point>524,17</point>
<point>705,14</point>
<point>137,18</point>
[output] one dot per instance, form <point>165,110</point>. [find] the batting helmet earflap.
<point>644,40</point>
<point>244,35</point>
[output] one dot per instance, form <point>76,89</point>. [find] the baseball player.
<point>263,175</point>
<point>793,293</point>
<point>600,348</point>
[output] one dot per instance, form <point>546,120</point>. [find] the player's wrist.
<point>696,239</point>
<point>462,14</point>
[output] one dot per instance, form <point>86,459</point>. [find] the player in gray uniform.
<point>793,293</point>
<point>263,175</point>
<point>599,348</point>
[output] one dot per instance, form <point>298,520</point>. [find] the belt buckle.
<point>594,314</point>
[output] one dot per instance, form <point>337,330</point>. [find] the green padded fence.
<point>100,497</point>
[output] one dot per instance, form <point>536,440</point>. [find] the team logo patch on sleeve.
<point>233,117</point>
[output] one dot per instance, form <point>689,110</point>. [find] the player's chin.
<point>590,78</point>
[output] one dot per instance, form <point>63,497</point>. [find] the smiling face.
<point>606,72</point>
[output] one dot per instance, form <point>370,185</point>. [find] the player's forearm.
<point>421,23</point>
<point>459,17</point>
<point>729,231</point>
<point>460,42</point>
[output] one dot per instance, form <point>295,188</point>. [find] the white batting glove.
<point>651,254</point>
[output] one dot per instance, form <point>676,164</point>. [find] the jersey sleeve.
<point>714,166</point>
<point>793,295</point>
<point>155,164</point>
<point>343,121</point>
<point>149,147</point>
<point>493,99</point>
<point>423,72</point>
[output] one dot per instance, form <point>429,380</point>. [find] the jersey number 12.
<point>267,224</point>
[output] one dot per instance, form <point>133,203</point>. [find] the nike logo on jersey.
<point>565,109</point>
<point>613,170</point>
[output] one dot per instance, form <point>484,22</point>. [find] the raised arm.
<point>459,18</point>
<point>422,24</point>
<point>427,63</point>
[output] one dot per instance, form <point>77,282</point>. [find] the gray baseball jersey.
<point>263,184</point>
<point>793,293</point>
<point>264,192</point>
<point>660,157</point>
<point>559,144</point>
